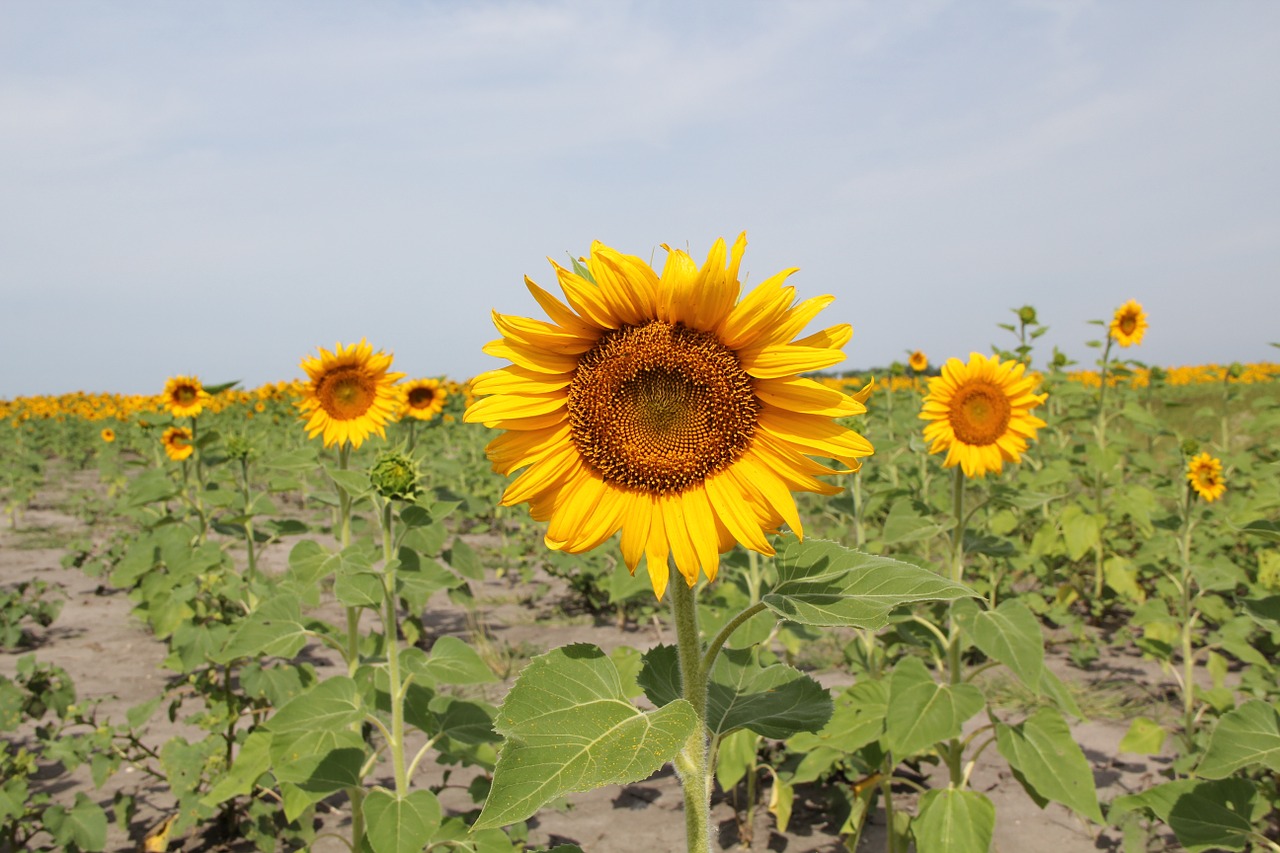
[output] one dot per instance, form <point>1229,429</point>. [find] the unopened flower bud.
<point>395,475</point>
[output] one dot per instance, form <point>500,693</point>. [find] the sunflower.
<point>664,407</point>
<point>1129,324</point>
<point>919,362</point>
<point>177,443</point>
<point>108,435</point>
<point>980,413</point>
<point>1205,475</point>
<point>422,399</point>
<point>350,394</point>
<point>184,396</point>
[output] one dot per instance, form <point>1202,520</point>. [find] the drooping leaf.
<point>1249,735</point>
<point>275,629</point>
<point>1144,737</point>
<point>568,726</point>
<point>1009,634</point>
<point>954,821</point>
<point>922,712</point>
<point>1049,763</point>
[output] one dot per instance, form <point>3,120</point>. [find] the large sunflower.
<point>663,407</point>
<point>422,399</point>
<point>184,396</point>
<point>980,413</point>
<point>1204,472</point>
<point>1129,324</point>
<point>177,443</point>
<point>350,394</point>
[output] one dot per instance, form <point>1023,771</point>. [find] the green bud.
<point>1157,375</point>
<point>239,447</point>
<point>395,475</point>
<point>1236,370</point>
<point>1027,315</point>
<point>1190,447</point>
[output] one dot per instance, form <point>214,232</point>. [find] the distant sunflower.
<point>108,435</point>
<point>980,413</point>
<point>350,395</point>
<point>663,407</point>
<point>422,399</point>
<point>177,443</point>
<point>918,362</point>
<point>1129,324</point>
<point>1204,472</point>
<point>184,396</point>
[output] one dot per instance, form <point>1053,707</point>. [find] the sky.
<point>220,189</point>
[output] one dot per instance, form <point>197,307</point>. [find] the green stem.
<point>732,625</point>
<point>691,763</point>
<point>248,524</point>
<point>1188,619</point>
<point>390,628</point>
<point>955,750</point>
<point>355,793</point>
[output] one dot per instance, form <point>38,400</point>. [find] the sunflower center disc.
<point>1128,323</point>
<point>185,394</point>
<point>661,407</point>
<point>345,394</point>
<point>420,398</point>
<point>980,414</point>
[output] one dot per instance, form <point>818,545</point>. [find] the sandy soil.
<point>111,656</point>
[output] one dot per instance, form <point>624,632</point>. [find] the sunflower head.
<point>108,435</point>
<point>422,399</point>
<point>1204,473</point>
<point>665,407</point>
<point>350,394</point>
<point>918,361</point>
<point>184,396</point>
<point>177,443</point>
<point>980,413</point>
<point>1129,324</point>
<point>395,475</point>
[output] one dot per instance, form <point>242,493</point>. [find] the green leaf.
<point>253,759</point>
<point>1214,815</point>
<point>904,524</point>
<point>1049,763</point>
<point>462,557</point>
<point>823,583</point>
<point>1122,576</point>
<point>1145,737</point>
<point>294,460</point>
<point>1009,634</point>
<point>330,705</point>
<point>922,712</point>
<point>83,825</point>
<point>275,629</point>
<point>401,824</point>
<point>569,727</point>
<point>735,757</point>
<point>318,762</point>
<point>454,662</point>
<point>465,721</point>
<point>1268,530</point>
<point>1265,611</point>
<point>1249,735</point>
<point>1080,530</point>
<point>354,483</point>
<point>781,797</point>
<point>954,821</point>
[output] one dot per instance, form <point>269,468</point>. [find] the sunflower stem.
<point>691,763</point>
<point>390,628</point>
<point>355,793</point>
<point>955,749</point>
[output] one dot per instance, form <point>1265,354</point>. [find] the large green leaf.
<point>954,821</point>
<point>84,825</point>
<point>253,759</point>
<point>1246,736</point>
<point>452,661</point>
<point>275,629</point>
<point>1214,815</point>
<point>330,705</point>
<point>823,583</point>
<point>569,727</point>
<point>401,824</point>
<point>922,712</point>
<point>775,701</point>
<point>1049,763</point>
<point>1009,634</point>
<point>858,719</point>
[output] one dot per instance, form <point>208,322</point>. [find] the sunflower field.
<point>664,578</point>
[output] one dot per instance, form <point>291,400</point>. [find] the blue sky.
<point>221,188</point>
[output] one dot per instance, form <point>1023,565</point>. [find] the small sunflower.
<point>1129,324</point>
<point>422,399</point>
<point>918,361</point>
<point>184,396</point>
<point>980,413</point>
<point>1204,472</point>
<point>350,395</point>
<point>664,407</point>
<point>177,443</point>
<point>108,435</point>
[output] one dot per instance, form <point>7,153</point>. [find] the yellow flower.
<point>918,362</point>
<point>108,435</point>
<point>980,413</point>
<point>664,407</point>
<point>184,396</point>
<point>1129,324</point>
<point>422,399</point>
<point>1205,475</point>
<point>177,443</point>
<point>350,395</point>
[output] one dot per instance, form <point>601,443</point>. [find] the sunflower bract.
<point>980,413</point>
<point>665,407</point>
